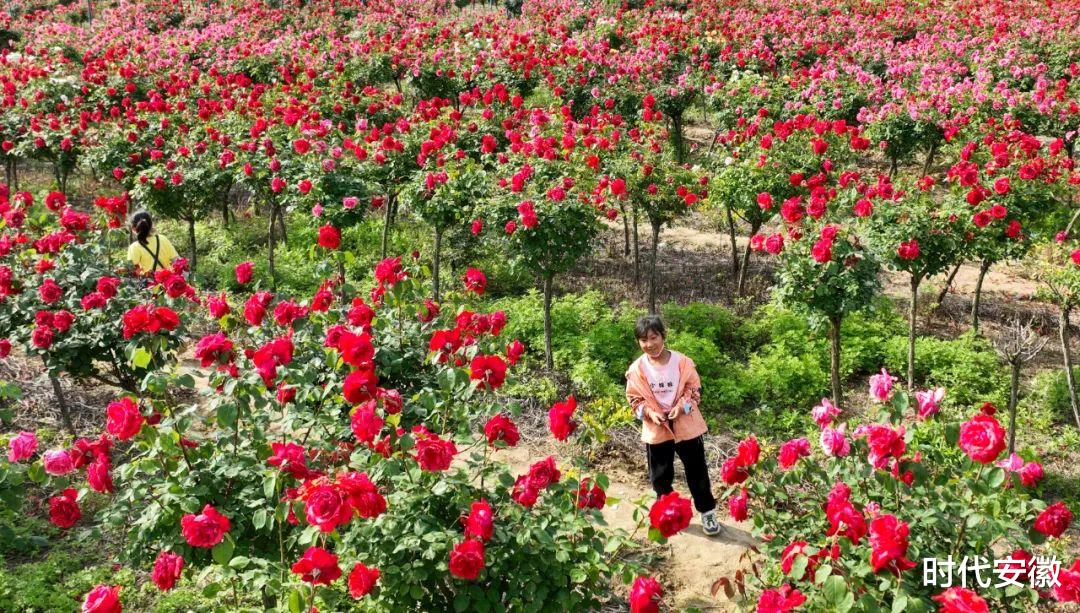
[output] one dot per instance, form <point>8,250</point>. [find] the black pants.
<point>661,459</point>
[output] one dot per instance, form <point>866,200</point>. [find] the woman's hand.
<point>657,418</point>
<point>673,413</point>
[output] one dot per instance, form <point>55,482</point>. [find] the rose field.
<point>389,364</point>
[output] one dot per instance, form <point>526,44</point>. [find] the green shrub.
<point>967,367</point>
<point>782,379</point>
<point>1049,398</point>
<point>709,321</point>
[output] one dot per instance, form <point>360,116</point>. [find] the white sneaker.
<point>709,524</point>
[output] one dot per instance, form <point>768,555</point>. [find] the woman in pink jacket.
<point>664,390</point>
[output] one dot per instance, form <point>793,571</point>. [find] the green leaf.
<point>296,601</point>
<point>835,589</point>
<point>578,575</point>
<point>996,478</point>
<point>223,551</point>
<point>227,414</point>
<point>211,589</point>
<point>36,472</point>
<point>239,562</point>
<point>141,358</point>
<point>258,519</point>
<point>900,603</point>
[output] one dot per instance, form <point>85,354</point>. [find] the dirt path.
<point>691,560</point>
<point>1003,279</point>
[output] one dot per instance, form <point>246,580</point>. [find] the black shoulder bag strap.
<point>154,254</point>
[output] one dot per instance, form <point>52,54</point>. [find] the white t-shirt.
<point>664,380</point>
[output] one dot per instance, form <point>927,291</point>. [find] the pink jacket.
<point>686,426</point>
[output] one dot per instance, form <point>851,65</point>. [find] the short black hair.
<point>649,323</point>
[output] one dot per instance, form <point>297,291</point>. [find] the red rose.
<point>123,419</point>
<point>433,453</point>
<point>544,473</point>
<point>737,506</point>
<point>670,514</point>
<point>205,529</point>
<point>822,251</point>
<point>50,292</point>
<point>559,418</point>
<point>103,599</point>
<point>42,337</point>
<point>475,281</point>
<point>525,491</point>
<point>591,495</point>
<point>792,450</point>
<point>645,595</point>
<point>290,457</point>
<point>356,350</point>
<point>982,438</point>
<point>467,560</point>
<point>214,349</point>
<point>62,320</point>
<point>5,347</point>
<point>488,370</point>
<point>97,475</point>
<point>501,428</point>
<point>889,544</point>
<point>780,600</point>
<point>108,286</point>
<point>749,452</point>
<point>1068,589</point>
<point>388,272</point>
<point>362,580</point>
<point>318,566</point>
<point>360,385</point>
<point>244,271</point>
<point>167,570</point>
<point>908,250</point>
<point>732,473</point>
<point>365,423</point>
<point>514,351</point>
<point>363,496</point>
<point>325,505</point>
<point>64,510</point>
<point>960,600</point>
<point>255,307</point>
<point>1054,519</point>
<point>480,522</point>
<point>329,237</point>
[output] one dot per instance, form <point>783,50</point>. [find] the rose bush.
<point>852,523</point>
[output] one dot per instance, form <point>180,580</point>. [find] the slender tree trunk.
<point>892,167</point>
<point>270,245</point>
<point>678,142</point>
<point>1063,334</point>
<point>745,265</point>
<point>913,310</point>
<point>834,359</point>
<point>948,283</point>
<point>626,230</point>
<point>652,266</point>
<point>731,237</point>
<point>281,225</point>
<point>929,159</point>
<point>65,414</point>
<point>984,267</point>
<point>341,273</point>
<point>637,248</point>
<point>192,245</point>
<point>435,263</point>
<point>388,219</point>
<point>1013,392</point>
<point>547,322</point>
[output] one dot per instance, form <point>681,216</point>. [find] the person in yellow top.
<point>149,253</point>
